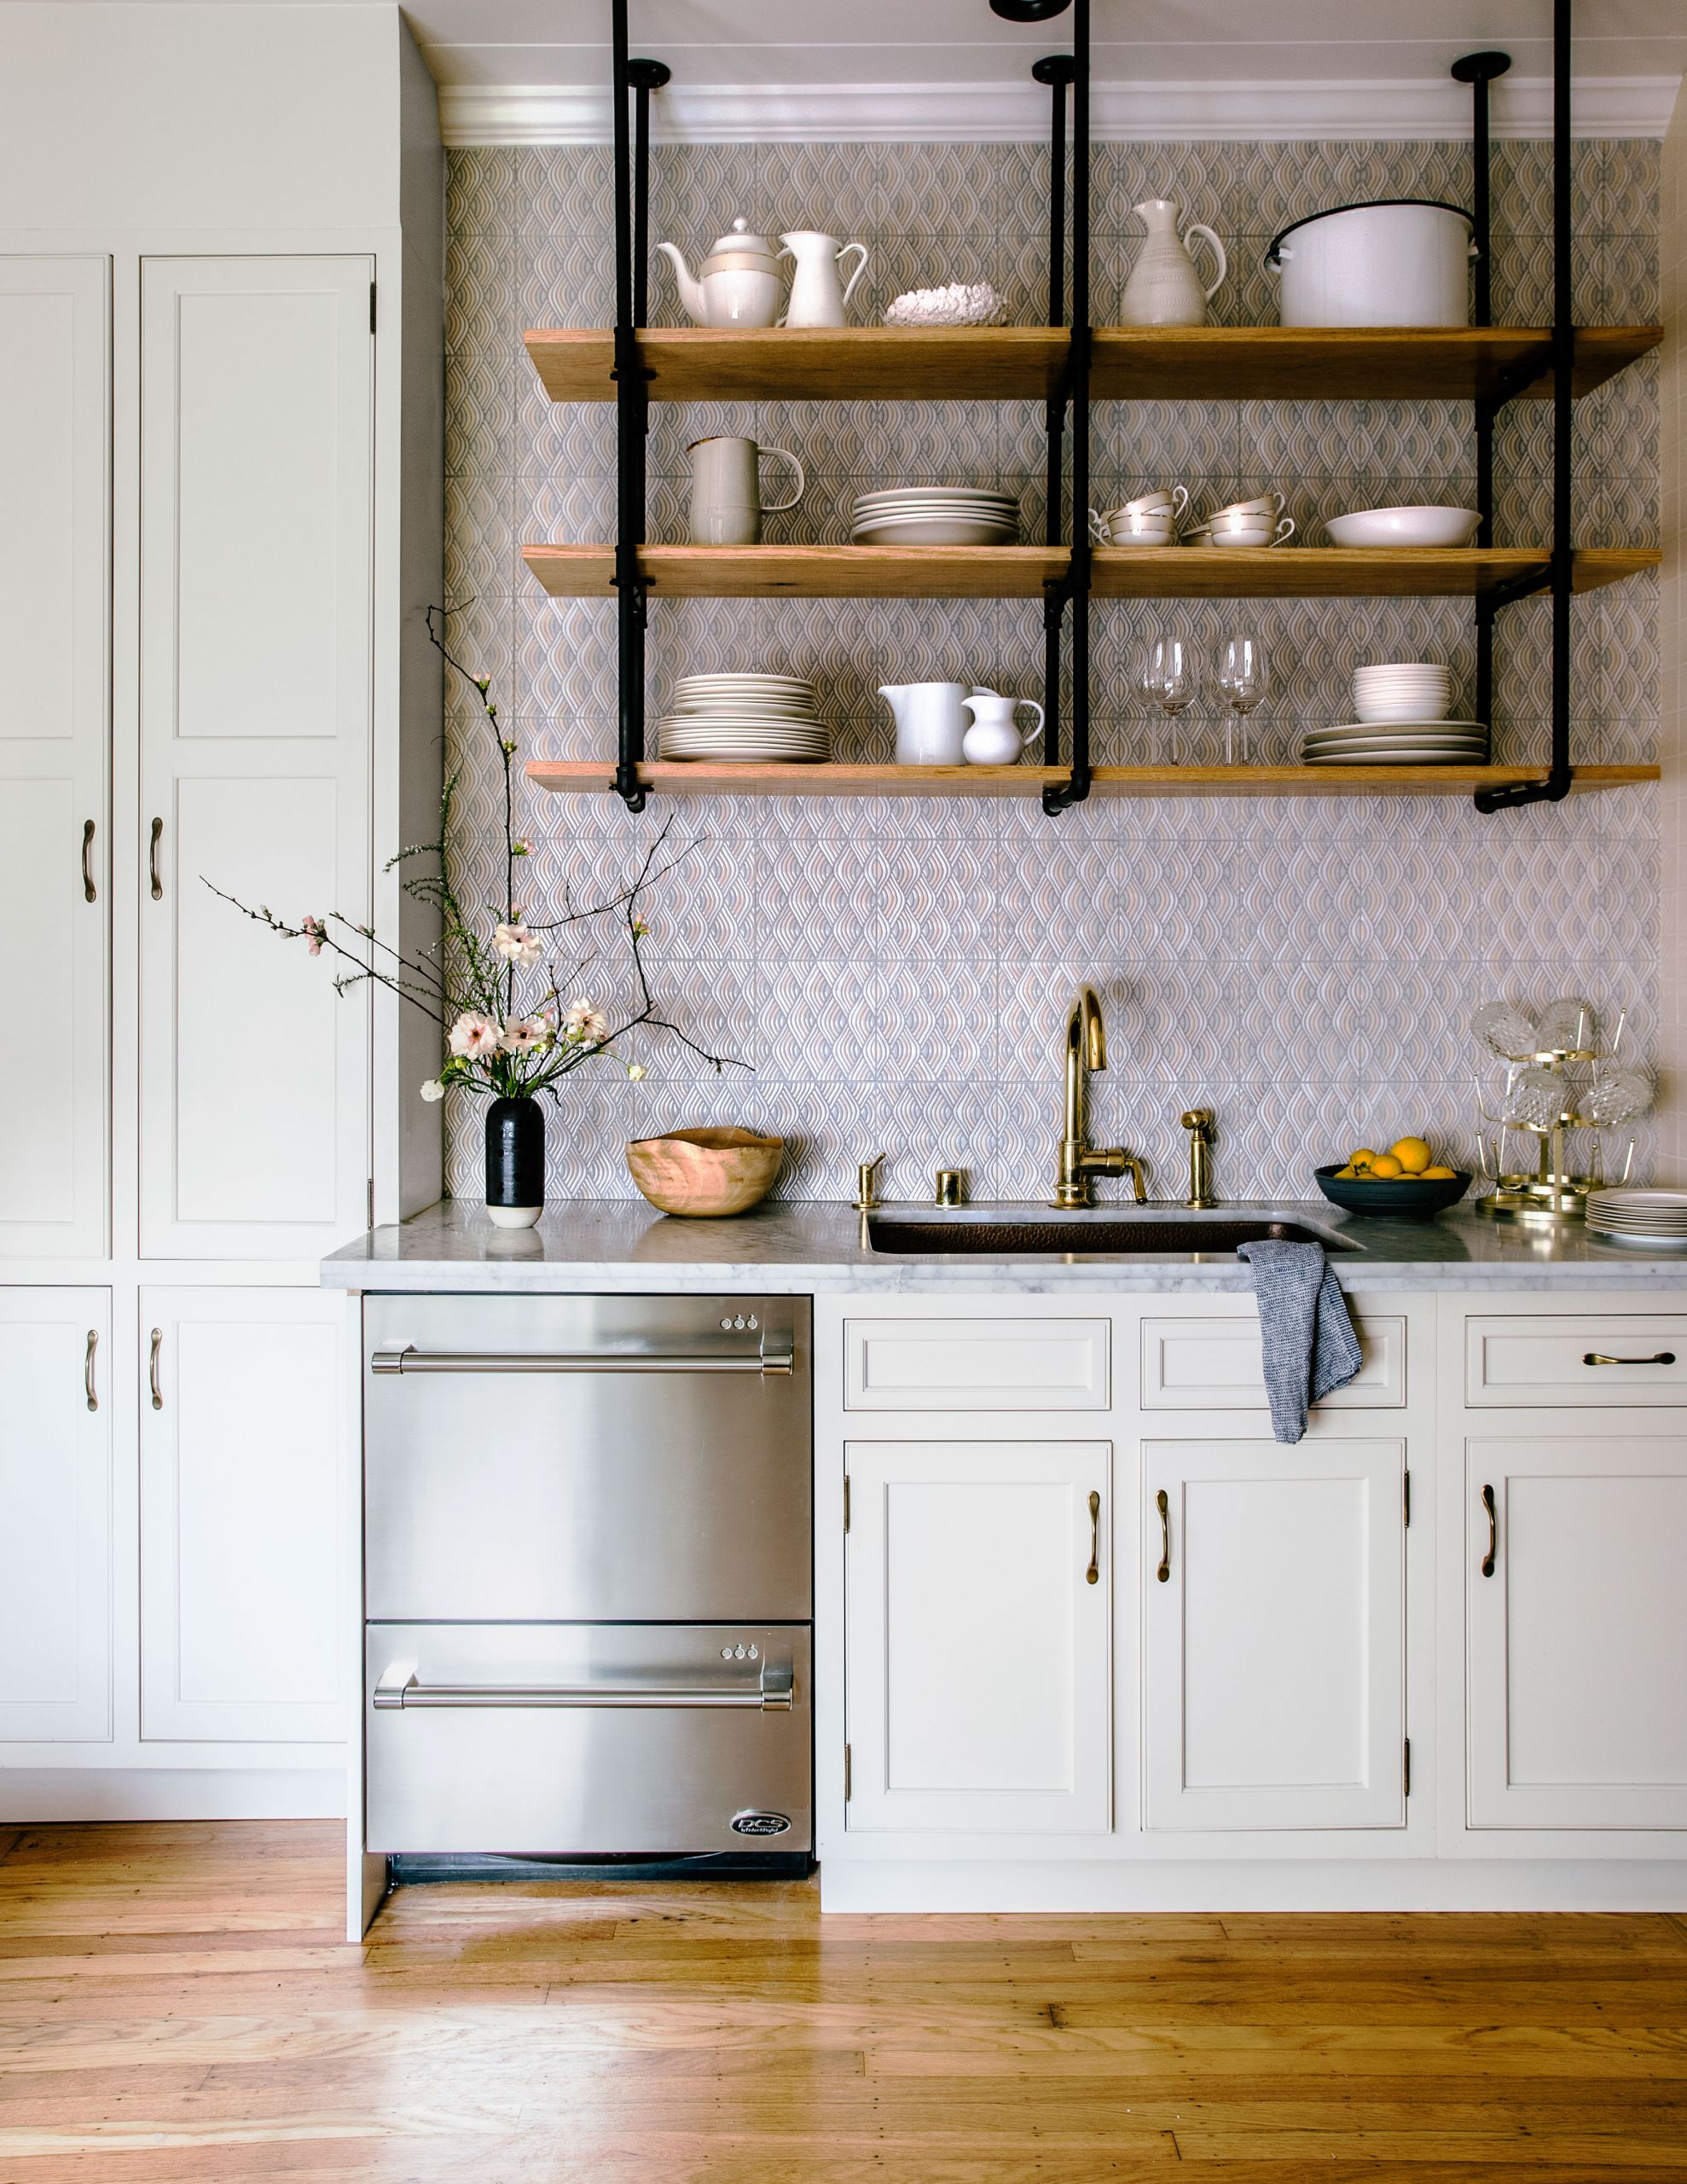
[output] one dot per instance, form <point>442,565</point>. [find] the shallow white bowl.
<point>934,531</point>
<point>1419,526</point>
<point>1398,671</point>
<point>1422,708</point>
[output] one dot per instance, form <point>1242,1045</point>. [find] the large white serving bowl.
<point>1421,527</point>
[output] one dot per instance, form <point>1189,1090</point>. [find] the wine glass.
<point>1169,679</point>
<point>1241,677</point>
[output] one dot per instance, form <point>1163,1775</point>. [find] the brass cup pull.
<point>90,893</point>
<point>1091,1576</point>
<point>93,1392</point>
<point>152,861</point>
<point>1598,1357</point>
<point>1493,1532</point>
<point>151,1369</point>
<point>1165,1507</point>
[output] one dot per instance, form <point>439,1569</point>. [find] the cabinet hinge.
<point>1405,1499</point>
<point>846,1500</point>
<point>372,306</point>
<point>846,1774</point>
<point>1406,1767</point>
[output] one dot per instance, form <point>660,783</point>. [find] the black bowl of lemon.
<point>1406,1180</point>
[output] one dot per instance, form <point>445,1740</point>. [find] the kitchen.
<point>251,1491</point>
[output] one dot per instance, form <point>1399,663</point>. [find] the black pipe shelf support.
<point>1075,587</point>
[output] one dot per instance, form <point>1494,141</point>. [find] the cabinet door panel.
<point>1274,1652</point>
<point>978,1668</point>
<point>256,531</point>
<point>1578,1704</point>
<point>55,619</point>
<point>242,1471</point>
<point>54,1514</point>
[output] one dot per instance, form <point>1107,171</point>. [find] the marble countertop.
<point>812,1247</point>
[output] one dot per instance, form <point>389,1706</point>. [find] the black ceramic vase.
<point>515,1163</point>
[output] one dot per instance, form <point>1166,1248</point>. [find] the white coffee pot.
<point>1164,289</point>
<point>817,295</point>
<point>995,738</point>
<point>741,284</point>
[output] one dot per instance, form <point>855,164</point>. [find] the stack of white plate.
<point>1400,743</point>
<point>1638,1217</point>
<point>936,515</point>
<point>1408,690</point>
<point>746,717</point>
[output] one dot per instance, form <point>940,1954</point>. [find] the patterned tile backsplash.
<point>897,972</point>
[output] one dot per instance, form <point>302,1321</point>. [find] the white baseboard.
<point>1116,1884</point>
<point>41,1794</point>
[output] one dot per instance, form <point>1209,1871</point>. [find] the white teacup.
<point>1267,504</point>
<point>1156,497</point>
<point>1246,531</point>
<point>1125,527</point>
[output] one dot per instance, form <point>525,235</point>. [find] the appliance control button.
<point>755,1654</point>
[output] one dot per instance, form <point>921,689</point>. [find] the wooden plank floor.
<point>176,2004</point>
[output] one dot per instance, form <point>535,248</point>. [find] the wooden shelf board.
<point>1020,571</point>
<point>568,776</point>
<point>1191,364</point>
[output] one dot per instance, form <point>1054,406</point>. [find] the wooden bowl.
<point>705,1173</point>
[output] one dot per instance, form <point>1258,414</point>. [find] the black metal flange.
<point>1029,11</point>
<point>648,75</point>
<point>1055,68</point>
<point>1481,67</point>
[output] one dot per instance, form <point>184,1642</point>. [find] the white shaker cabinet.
<point>244,1464</point>
<point>977,1683</point>
<point>55,1501</point>
<point>1274,1632</point>
<point>256,535</point>
<point>55,710</point>
<point>1577,1621</point>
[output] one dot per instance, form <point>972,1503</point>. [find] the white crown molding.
<point>1148,113</point>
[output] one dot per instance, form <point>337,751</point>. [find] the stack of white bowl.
<point>746,717</point>
<point>1638,1217</point>
<point>936,515</point>
<point>1402,720</point>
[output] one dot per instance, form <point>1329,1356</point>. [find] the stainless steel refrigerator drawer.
<point>588,1458</point>
<point>551,1740</point>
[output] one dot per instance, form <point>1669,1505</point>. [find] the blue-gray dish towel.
<point>1308,1340</point>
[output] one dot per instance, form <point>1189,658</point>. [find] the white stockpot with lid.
<point>1401,261</point>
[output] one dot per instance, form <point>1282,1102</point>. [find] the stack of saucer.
<point>746,717</point>
<point>936,515</point>
<point>1402,722</point>
<point>1638,1217</point>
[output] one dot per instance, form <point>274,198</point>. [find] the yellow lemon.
<point>1386,1165</point>
<point>1438,1175</point>
<point>1362,1159</point>
<point>1348,1173</point>
<point>1412,1154</point>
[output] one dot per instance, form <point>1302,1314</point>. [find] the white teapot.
<point>741,284</point>
<point>995,738</point>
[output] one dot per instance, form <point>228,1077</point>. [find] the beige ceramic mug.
<point>727,507</point>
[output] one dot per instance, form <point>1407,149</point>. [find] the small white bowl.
<point>1421,527</point>
<point>1392,670</point>
<point>1419,710</point>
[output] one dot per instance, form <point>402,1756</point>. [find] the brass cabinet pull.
<point>1091,1576</point>
<point>87,1368</point>
<point>1493,1532</point>
<point>1598,1357</point>
<point>1165,1508</point>
<point>90,893</point>
<point>151,1369</point>
<point>152,861</point>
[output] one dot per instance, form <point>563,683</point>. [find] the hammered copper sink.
<point>706,1172</point>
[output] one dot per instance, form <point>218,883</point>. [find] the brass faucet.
<point>1080,1162</point>
<point>1198,1122</point>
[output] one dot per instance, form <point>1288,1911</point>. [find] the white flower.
<point>473,1035</point>
<point>525,1035</point>
<point>585,1022</point>
<point>634,1072</point>
<point>432,1090</point>
<point>517,945</point>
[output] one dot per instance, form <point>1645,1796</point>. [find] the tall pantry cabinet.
<point>220,527</point>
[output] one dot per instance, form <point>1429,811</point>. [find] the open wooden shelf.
<point>571,777</point>
<point>1184,363</point>
<point>1020,571</point>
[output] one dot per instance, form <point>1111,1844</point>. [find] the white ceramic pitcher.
<point>995,738</point>
<point>1164,289</point>
<point>930,721</point>
<point>817,293</point>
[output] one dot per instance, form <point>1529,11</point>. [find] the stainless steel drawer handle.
<point>152,1368</point>
<point>399,1687</point>
<point>777,1357</point>
<point>88,1383</point>
<point>1598,1357</point>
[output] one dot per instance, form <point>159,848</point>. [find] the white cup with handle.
<point>727,507</point>
<point>995,738</point>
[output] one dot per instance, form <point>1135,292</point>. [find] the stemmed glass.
<point>1169,679</point>
<point>1241,677</point>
